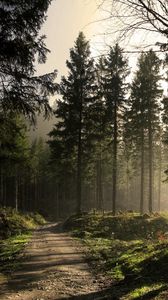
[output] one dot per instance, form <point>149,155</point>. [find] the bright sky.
<point>65,19</point>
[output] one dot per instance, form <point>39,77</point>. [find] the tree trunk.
<point>2,187</point>
<point>57,201</point>
<point>79,156</point>
<point>79,182</point>
<point>99,193</point>
<point>142,174</point>
<point>100,185</point>
<point>64,195</point>
<point>78,210</point>
<point>35,192</point>
<point>150,169</point>
<point>16,189</point>
<point>127,186</point>
<point>114,175</point>
<point>97,185</point>
<point>159,176</point>
<point>4,191</point>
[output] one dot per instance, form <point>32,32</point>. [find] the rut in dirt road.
<point>52,268</point>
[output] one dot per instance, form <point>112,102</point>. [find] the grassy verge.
<point>129,250</point>
<point>15,232</point>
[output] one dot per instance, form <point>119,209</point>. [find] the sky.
<point>66,18</point>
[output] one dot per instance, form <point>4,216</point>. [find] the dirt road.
<point>53,268</point>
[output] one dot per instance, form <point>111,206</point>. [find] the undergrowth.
<point>129,250</point>
<point>15,231</point>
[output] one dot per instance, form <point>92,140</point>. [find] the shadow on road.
<point>51,252</point>
<point>117,293</point>
<point>52,256</point>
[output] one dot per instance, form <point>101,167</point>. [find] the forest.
<point>108,147</point>
<point>84,180</point>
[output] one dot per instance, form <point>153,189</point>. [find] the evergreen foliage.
<point>143,118</point>
<point>73,135</point>
<point>113,81</point>
<point>106,149</point>
<point>20,89</point>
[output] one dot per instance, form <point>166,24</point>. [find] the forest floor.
<point>127,258</point>
<point>129,250</point>
<point>53,267</point>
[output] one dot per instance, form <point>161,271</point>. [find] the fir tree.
<point>20,89</point>
<point>14,153</point>
<point>73,134</point>
<point>144,117</point>
<point>115,72</point>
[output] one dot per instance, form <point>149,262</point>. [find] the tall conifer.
<point>144,117</point>
<point>115,72</point>
<point>72,135</point>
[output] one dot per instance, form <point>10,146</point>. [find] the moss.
<point>13,222</point>
<point>15,231</point>
<point>9,250</point>
<point>129,249</point>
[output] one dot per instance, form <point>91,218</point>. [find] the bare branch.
<point>137,15</point>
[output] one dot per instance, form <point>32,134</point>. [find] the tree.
<point>116,70</point>
<point>165,127</point>
<point>100,136</point>
<point>72,135</point>
<point>14,154</point>
<point>144,117</point>
<point>20,89</point>
<point>128,152</point>
<point>37,175</point>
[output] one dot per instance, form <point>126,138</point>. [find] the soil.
<point>53,267</point>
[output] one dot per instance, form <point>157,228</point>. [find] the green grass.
<point>15,231</point>
<point>9,250</point>
<point>129,250</point>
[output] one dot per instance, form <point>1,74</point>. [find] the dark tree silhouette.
<point>21,46</point>
<point>72,134</point>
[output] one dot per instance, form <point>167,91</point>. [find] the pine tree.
<point>98,137</point>
<point>14,153</point>
<point>72,135</point>
<point>20,90</point>
<point>165,128</point>
<point>116,70</point>
<point>144,116</point>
